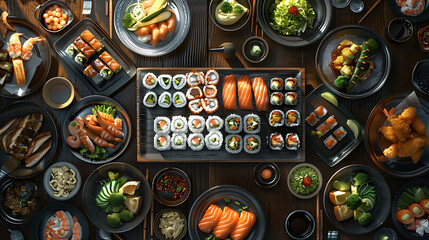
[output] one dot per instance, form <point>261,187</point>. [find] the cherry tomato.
<point>293,10</point>
<point>306,181</point>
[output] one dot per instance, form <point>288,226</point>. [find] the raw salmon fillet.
<point>244,226</point>
<point>229,93</point>
<point>226,224</point>
<point>261,93</point>
<point>210,219</point>
<point>244,93</point>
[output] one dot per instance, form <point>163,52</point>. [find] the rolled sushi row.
<point>278,118</point>
<point>165,100</point>
<point>279,84</point>
<point>277,142</point>
<point>195,141</point>
<point>180,124</point>
<point>278,99</point>
<point>178,81</point>
<point>235,123</point>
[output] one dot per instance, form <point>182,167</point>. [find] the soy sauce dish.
<point>266,175</point>
<point>255,49</point>
<point>171,187</point>
<point>300,224</point>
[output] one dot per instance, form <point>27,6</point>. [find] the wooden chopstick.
<point>151,215</point>
<point>370,10</point>
<point>107,7</point>
<point>119,237</point>
<point>111,18</point>
<point>253,16</point>
<point>317,218</point>
<point>321,224</point>
<point>145,219</point>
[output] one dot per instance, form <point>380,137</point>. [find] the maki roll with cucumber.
<point>162,142</point>
<point>276,84</point>
<point>196,141</point>
<point>252,144</point>
<point>106,73</point>
<point>276,141</point>
<point>80,59</point>
<point>150,99</point>
<point>165,100</point>
<point>214,123</point>
<point>164,81</point>
<point>214,140</point>
<point>290,84</point>
<point>276,98</point>
<point>196,124</point>
<point>233,144</point>
<point>179,124</point>
<point>252,123</point>
<point>291,98</point>
<point>179,81</point>
<point>149,80</point>
<point>178,141</point>
<point>72,50</point>
<point>292,141</point>
<point>277,118</point>
<point>161,125</point>
<point>233,123</point>
<point>179,100</point>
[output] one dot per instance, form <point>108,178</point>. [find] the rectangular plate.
<point>111,85</point>
<point>342,114</point>
<point>145,117</point>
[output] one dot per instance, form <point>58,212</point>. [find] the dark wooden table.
<point>278,202</point>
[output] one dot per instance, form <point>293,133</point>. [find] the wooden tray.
<point>145,117</point>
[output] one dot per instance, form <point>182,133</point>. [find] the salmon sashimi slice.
<point>210,219</point>
<point>226,224</point>
<point>260,91</point>
<point>229,93</point>
<point>244,93</point>
<point>244,226</point>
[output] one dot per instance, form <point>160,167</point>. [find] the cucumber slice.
<point>158,7</point>
<point>112,186</point>
<point>161,17</point>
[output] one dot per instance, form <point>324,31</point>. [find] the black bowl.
<point>324,13</point>
<point>167,199</point>
<point>420,76</point>
<point>379,212</point>
<point>234,27</point>
<point>157,230</point>
<point>42,8</point>
<point>92,188</point>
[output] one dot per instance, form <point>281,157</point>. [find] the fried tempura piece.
<point>417,155</point>
<point>419,126</point>
<point>401,128</point>
<point>408,115</point>
<point>408,148</point>
<point>392,151</point>
<point>389,134</point>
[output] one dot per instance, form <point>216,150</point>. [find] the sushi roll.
<point>81,59</point>
<point>322,129</point>
<point>276,98</point>
<point>233,123</point>
<point>320,111</point>
<point>105,56</point>
<point>178,141</point>
<point>96,45</point>
<point>194,93</point>
<point>164,81</point>
<point>114,65</point>
<point>276,141</point>
<point>214,140</point>
<point>330,142</point>
<point>277,118</point>
<point>210,91</point>
<point>195,106</point>
<point>79,43</point>
<point>233,144</point>
<point>252,123</point>
<point>276,84</point>
<point>162,142</point>
<point>212,77</point>
<point>293,118</point>
<point>196,141</point>
<point>149,80</point>
<point>164,100</point>
<point>179,124</point>
<point>90,71</point>
<point>87,50</point>
<point>291,98</point>
<point>72,50</point>
<point>214,123</point>
<point>179,99</point>
<point>252,144</point>
<point>87,36</point>
<point>106,73</point>
<point>312,119</point>
<point>161,125</point>
<point>292,141</point>
<point>194,78</point>
<point>290,84</point>
<point>210,105</point>
<point>196,124</point>
<point>150,99</point>
<point>98,64</point>
<point>340,133</point>
<point>331,122</point>
<point>179,81</point>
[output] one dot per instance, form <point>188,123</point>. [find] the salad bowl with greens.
<point>305,181</point>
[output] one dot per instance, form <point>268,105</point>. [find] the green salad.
<point>291,17</point>
<point>304,180</point>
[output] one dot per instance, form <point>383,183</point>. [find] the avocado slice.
<point>340,185</point>
<point>161,17</point>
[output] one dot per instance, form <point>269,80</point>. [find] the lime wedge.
<point>418,194</point>
<point>330,97</point>
<point>355,127</point>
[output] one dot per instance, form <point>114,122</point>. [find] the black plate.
<point>167,199</point>
<point>20,109</point>
<point>420,18</point>
<point>382,203</point>
<point>83,108</point>
<point>118,80</point>
<point>39,221</point>
<point>92,188</point>
<point>217,195</point>
<point>146,116</point>
<point>410,235</point>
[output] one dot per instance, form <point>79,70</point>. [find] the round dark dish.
<point>236,26</point>
<point>390,233</point>
<point>420,76</point>
<point>157,230</point>
<point>270,182</point>
<point>415,19</point>
<point>396,27</point>
<point>42,8</point>
<point>261,44</point>
<point>171,186</point>
<point>300,224</point>
<point>379,212</point>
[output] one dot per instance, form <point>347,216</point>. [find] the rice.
<point>178,141</point>
<point>201,122</point>
<point>179,100</point>
<point>163,128</point>
<point>150,99</point>
<point>166,145</point>
<point>196,145</point>
<point>212,77</point>
<point>164,81</point>
<point>254,145</point>
<point>233,144</point>
<point>179,124</point>
<point>149,84</point>
<point>214,140</point>
<point>252,123</point>
<point>164,100</point>
<point>233,123</point>
<point>179,81</point>
<point>214,123</point>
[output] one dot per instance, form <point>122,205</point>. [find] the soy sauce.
<point>248,49</point>
<point>299,225</point>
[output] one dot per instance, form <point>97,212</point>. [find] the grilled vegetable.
<point>369,47</point>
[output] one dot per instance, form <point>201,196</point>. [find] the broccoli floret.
<point>114,220</point>
<point>365,218</point>
<point>128,20</point>
<point>237,9</point>
<point>373,45</point>
<point>126,215</point>
<point>113,176</point>
<point>360,179</point>
<point>353,201</point>
<point>367,203</point>
<point>226,7</point>
<point>341,82</point>
<point>116,200</point>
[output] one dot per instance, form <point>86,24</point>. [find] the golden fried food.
<point>408,115</point>
<point>392,151</point>
<point>417,155</point>
<point>401,128</point>
<point>419,126</point>
<point>389,134</point>
<point>409,147</point>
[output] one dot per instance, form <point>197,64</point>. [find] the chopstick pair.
<point>319,220</point>
<point>109,12</point>
<point>255,21</point>
<point>151,214</point>
<point>370,10</point>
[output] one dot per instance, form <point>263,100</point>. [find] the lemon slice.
<point>129,187</point>
<point>419,195</point>
<point>330,97</point>
<point>355,127</point>
<point>133,203</point>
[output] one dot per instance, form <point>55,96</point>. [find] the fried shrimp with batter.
<point>408,115</point>
<point>389,134</point>
<point>392,151</point>
<point>401,128</point>
<point>408,148</point>
<point>417,155</point>
<point>418,126</point>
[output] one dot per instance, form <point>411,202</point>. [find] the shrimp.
<point>401,128</point>
<point>142,31</point>
<point>411,9</point>
<point>147,3</point>
<point>59,225</point>
<point>392,151</point>
<point>116,121</point>
<point>90,118</point>
<point>98,130</point>
<point>408,115</point>
<point>389,134</point>
<point>77,230</point>
<point>73,141</point>
<point>27,48</point>
<point>109,126</point>
<point>155,35</point>
<point>408,148</point>
<point>15,45</point>
<point>163,30</point>
<point>403,3</point>
<point>85,140</point>
<point>171,22</point>
<point>419,126</point>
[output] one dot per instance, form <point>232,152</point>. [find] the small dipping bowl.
<point>167,198</point>
<point>157,230</point>
<point>234,27</point>
<point>421,36</point>
<point>420,77</point>
<point>340,3</point>
<point>58,92</point>
<point>316,191</point>
<point>390,233</point>
<point>271,172</point>
<point>300,224</point>
<point>252,42</point>
<point>48,176</point>
<point>45,7</point>
<point>399,30</point>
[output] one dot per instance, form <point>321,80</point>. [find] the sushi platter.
<point>203,129</point>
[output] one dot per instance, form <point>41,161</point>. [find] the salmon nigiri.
<point>244,93</point>
<point>244,226</point>
<point>226,224</point>
<point>261,93</point>
<point>229,94</point>
<point>210,219</point>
